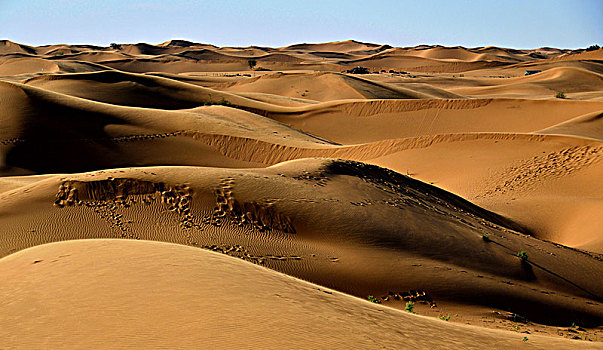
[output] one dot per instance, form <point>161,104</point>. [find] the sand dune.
<point>338,46</point>
<point>589,125</point>
<point>209,55</point>
<point>121,136</point>
<point>102,86</point>
<point>539,182</point>
<point>7,47</point>
<point>127,139</point>
<point>27,65</point>
<point>545,84</point>
<point>324,56</point>
<point>35,66</point>
<point>419,182</point>
<point>129,89</point>
<point>188,284</point>
<point>329,86</point>
<point>388,60</point>
<point>367,121</point>
<point>275,216</point>
<point>146,49</point>
<point>181,43</point>
<point>584,55</point>
<point>460,54</point>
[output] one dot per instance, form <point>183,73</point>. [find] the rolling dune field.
<point>178,194</point>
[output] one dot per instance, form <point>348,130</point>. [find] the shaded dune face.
<point>445,178</point>
<point>128,89</point>
<point>350,226</point>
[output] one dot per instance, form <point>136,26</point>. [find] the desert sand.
<point>178,194</point>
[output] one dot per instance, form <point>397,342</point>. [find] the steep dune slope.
<point>545,183</point>
<point>50,132</point>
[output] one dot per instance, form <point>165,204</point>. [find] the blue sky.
<point>512,23</point>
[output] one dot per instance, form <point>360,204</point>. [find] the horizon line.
<point>296,43</point>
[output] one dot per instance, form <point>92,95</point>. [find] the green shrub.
<point>560,95</point>
<point>445,318</point>
<point>523,255</point>
<point>593,48</point>
<point>409,306</point>
<point>486,237</point>
<point>372,299</point>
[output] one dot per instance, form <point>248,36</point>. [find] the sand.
<point>169,196</point>
<point>204,299</point>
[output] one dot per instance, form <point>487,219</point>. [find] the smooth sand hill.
<point>420,182</point>
<point>546,84</point>
<point>157,295</point>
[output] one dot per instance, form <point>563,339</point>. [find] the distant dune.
<point>456,187</point>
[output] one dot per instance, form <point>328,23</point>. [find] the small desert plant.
<point>222,102</point>
<point>115,46</point>
<point>445,318</point>
<point>523,255</point>
<point>252,63</point>
<point>372,299</point>
<point>593,48</point>
<point>560,95</point>
<point>525,339</point>
<point>409,306</point>
<point>486,237</point>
